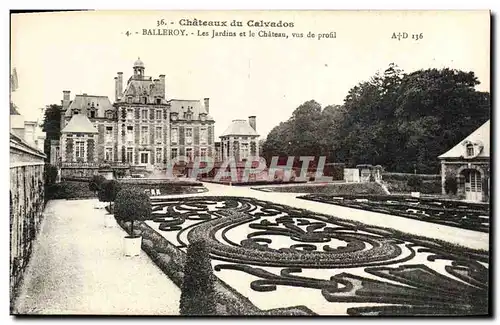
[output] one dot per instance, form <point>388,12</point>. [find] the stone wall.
<point>26,207</point>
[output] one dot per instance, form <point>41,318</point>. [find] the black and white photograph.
<point>250,163</point>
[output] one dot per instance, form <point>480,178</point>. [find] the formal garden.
<point>243,256</point>
<point>466,215</point>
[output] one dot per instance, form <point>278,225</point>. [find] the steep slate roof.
<point>181,105</point>
<point>142,87</point>
<point>481,134</point>
<point>84,102</point>
<point>79,123</point>
<point>240,128</point>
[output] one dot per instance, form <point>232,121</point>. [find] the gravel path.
<point>77,267</point>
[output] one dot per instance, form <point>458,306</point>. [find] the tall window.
<point>130,155</point>
<point>144,114</point>
<point>203,136</point>
<point>174,135</point>
<point>144,100</point>
<point>130,114</point>
<point>109,133</point>
<point>144,135</point>
<point>144,158</point>
<point>159,155</point>
<point>203,152</point>
<point>130,134</point>
<point>244,150</point>
<point>80,149</point>
<point>189,153</point>
<point>173,153</point>
<point>108,154</point>
<point>189,135</point>
<point>159,114</point>
<point>158,133</point>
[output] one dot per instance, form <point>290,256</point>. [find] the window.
<point>92,114</point>
<point>244,150</point>
<point>144,135</point>
<point>130,134</point>
<point>159,155</point>
<point>109,115</point>
<point>158,132</point>
<point>470,150</point>
<point>203,152</point>
<point>159,114</point>
<point>174,135</point>
<point>144,157</point>
<point>173,153</point>
<point>189,153</point>
<point>109,133</point>
<point>144,100</point>
<point>108,154</point>
<point>130,155</point>
<point>80,149</point>
<point>129,99</point>
<point>144,114</point>
<point>75,112</point>
<point>203,136</point>
<point>158,101</point>
<point>189,135</point>
<point>130,114</point>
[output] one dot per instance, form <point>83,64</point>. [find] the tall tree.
<point>51,125</point>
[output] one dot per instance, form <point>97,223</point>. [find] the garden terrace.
<point>276,257</point>
<point>164,186</point>
<point>466,215</point>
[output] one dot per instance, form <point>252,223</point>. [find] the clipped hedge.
<point>334,189</point>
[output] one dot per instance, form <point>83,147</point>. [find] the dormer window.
<point>129,99</point>
<point>469,150</point>
<point>158,101</point>
<point>109,115</point>
<point>92,114</point>
<point>144,100</point>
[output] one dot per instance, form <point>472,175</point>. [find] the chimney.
<point>252,122</point>
<point>162,85</point>
<point>207,104</point>
<point>119,86</point>
<point>65,101</point>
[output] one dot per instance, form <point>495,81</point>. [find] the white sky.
<point>266,77</point>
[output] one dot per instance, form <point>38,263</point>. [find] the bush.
<point>50,174</point>
<point>68,190</point>
<point>96,182</point>
<point>198,292</point>
<point>450,185</point>
<point>108,191</point>
<point>132,204</point>
<point>415,183</point>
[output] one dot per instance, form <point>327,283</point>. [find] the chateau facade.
<point>140,130</point>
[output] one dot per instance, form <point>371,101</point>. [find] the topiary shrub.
<point>96,183</point>
<point>132,204</point>
<point>198,292</point>
<point>450,185</point>
<point>108,191</point>
<point>415,183</point>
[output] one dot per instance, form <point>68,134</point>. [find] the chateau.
<point>142,129</point>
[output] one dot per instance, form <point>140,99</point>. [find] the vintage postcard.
<point>252,163</point>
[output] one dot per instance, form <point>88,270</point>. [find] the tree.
<point>109,191</point>
<point>96,183</point>
<point>198,292</point>
<point>51,125</point>
<point>132,204</point>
